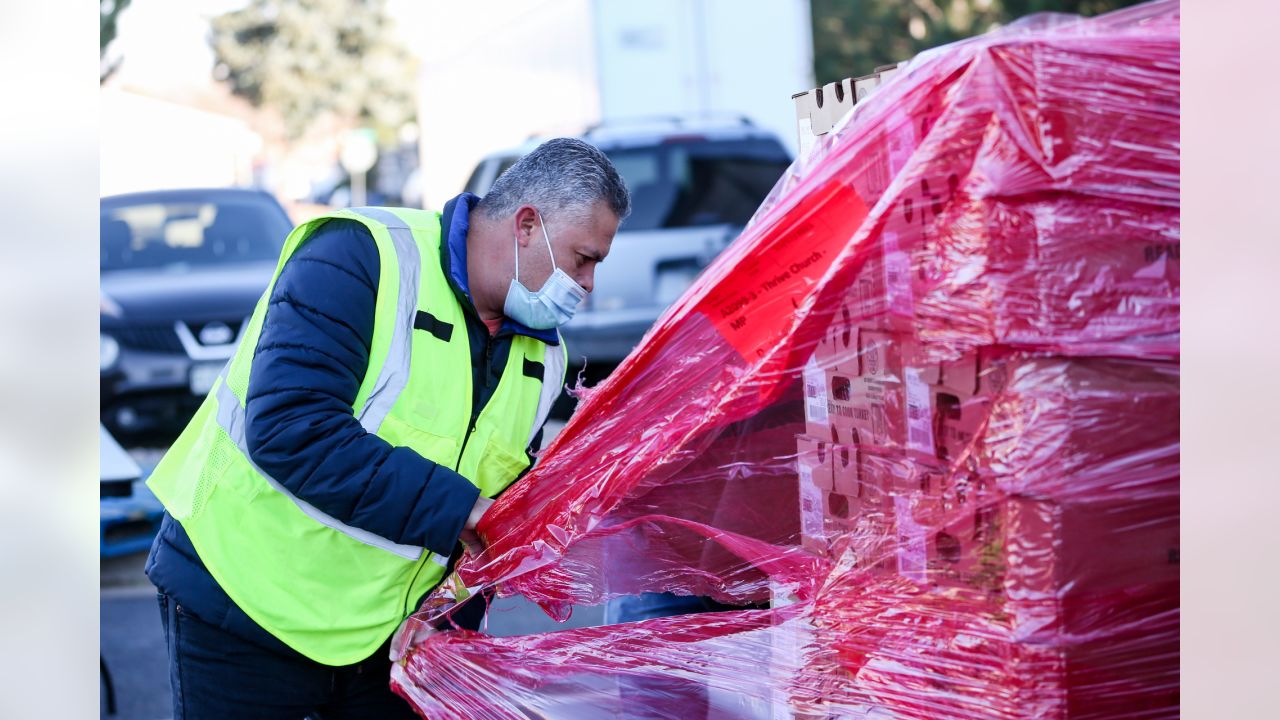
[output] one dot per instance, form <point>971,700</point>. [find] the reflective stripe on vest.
<point>395,369</point>
<point>231,418</point>
<point>555,365</point>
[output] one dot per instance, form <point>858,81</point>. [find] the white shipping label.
<point>897,277</point>
<point>815,392</point>
<point>919,413</point>
<point>810,504</point>
<point>806,136</point>
<point>902,140</point>
<point>912,552</point>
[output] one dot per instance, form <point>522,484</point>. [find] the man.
<point>390,383</point>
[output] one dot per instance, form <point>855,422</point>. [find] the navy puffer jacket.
<point>308,366</point>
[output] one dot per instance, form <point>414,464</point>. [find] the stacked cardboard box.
<point>990,491</point>
<point>914,441</point>
<point>1026,500</point>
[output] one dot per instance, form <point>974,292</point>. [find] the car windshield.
<point>181,233</point>
<point>698,182</point>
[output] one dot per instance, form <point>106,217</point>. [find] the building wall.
<point>150,144</point>
<point>494,73</point>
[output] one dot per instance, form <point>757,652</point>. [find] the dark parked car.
<point>181,271</point>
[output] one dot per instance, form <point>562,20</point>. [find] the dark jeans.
<point>215,674</point>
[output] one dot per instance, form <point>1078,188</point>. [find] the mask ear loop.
<point>515,239</point>
<point>542,223</point>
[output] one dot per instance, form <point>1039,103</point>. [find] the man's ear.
<point>526,224</point>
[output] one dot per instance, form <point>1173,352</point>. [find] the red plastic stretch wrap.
<point>924,412</point>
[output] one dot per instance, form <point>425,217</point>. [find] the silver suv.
<point>694,185</point>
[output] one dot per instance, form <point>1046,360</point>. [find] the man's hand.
<point>471,541</point>
<point>477,511</point>
<point>472,544</point>
<point>412,632</point>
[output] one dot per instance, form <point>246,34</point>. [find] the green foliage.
<point>852,37</point>
<point>306,58</point>
<point>108,15</point>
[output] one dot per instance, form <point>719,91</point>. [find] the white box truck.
<point>688,58</point>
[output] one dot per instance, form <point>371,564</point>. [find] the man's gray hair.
<point>563,175</point>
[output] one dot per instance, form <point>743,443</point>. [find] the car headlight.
<point>109,307</point>
<point>108,352</point>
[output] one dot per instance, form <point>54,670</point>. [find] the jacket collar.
<point>454,224</point>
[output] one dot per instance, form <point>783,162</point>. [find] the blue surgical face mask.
<point>553,305</point>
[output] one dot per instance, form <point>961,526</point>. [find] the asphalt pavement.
<point>132,648</point>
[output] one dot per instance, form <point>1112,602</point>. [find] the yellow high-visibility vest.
<point>331,591</point>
